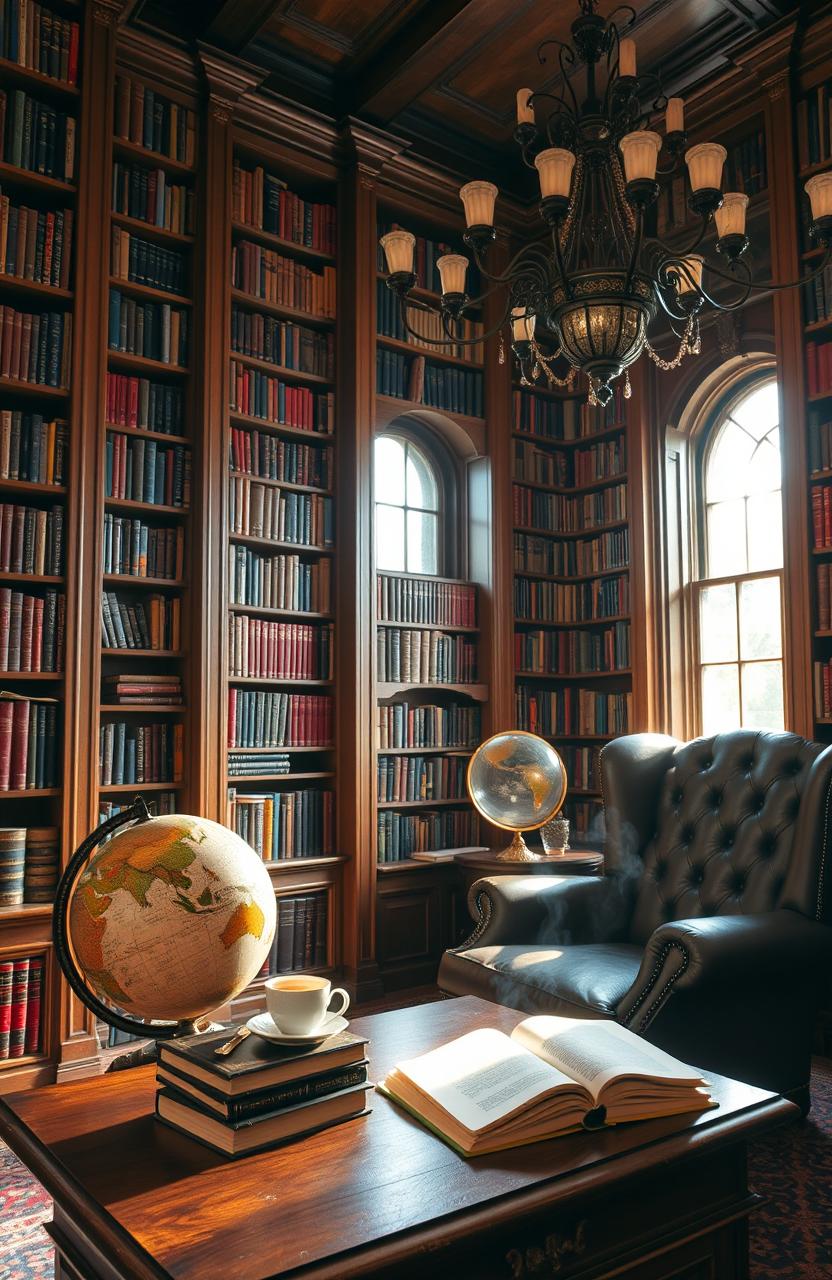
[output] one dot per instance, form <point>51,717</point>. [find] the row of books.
<point>153,330</point>
<point>271,277</point>
<point>571,602</point>
<point>35,244</point>
<point>582,767</point>
<point>257,453</point>
<point>144,471</point>
<point>21,1001</point>
<point>818,297</point>
<point>284,824</point>
<point>144,405</point>
<point>279,650</point>
<point>745,170</point>
<point>425,600</point>
<point>428,326</point>
<point>424,657</point>
<point>29,859</point>
<point>33,448</point>
<point>136,753</point>
<point>28,742</point>
<point>150,120</point>
<point>32,630</point>
<point>152,623</point>
<point>261,199</point>
<point>31,539</point>
<point>140,550</point>
<point>571,652</point>
<point>35,346</point>
<point>819,367</point>
<point>157,802</point>
<point>402,834</point>
<point>259,395</point>
<point>129,688</point>
<point>146,263</point>
<point>35,136</point>
<point>280,342</point>
<point>549,418</point>
<point>409,778</point>
<point>823,572</point>
<point>300,940</point>
<point>148,195</point>
<point>266,765</point>
<point>823,690</point>
<point>259,718</point>
<point>439,386</point>
<point>403,726</point>
<point>278,582</point>
<point>574,466</point>
<point>552,712</point>
<point>821,502</point>
<point>814,126</point>
<point>533,554</point>
<point>540,510</point>
<point>587,818</point>
<point>35,37</point>
<point>265,511</point>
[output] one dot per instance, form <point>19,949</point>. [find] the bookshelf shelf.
<point>256,751</point>
<point>127,150</point>
<point>279,370</point>
<point>267,681</point>
<point>149,229</point>
<point>142,653</point>
<point>46,579</point>
<point>248,541</point>
<point>32,793</point>
<point>133,289</point>
<point>582,622</point>
<point>271,778</point>
<point>277,865</point>
<point>395,405</point>
<point>429,626</point>
<point>144,433</point>
<point>554,442</point>
<point>591,530</point>
<point>808,170</point>
<point>54,677</point>
<point>817,326</point>
<point>31,486</point>
<point>141,584</point>
<point>819,395</point>
<point>129,788</point>
<point>279,428</point>
<point>551,393</point>
<point>280,484</point>
<point>267,612</point>
<point>283,312</point>
<point>586,676</point>
<point>568,490</point>
<point>573,577</point>
<point>143,364</point>
<point>27,78</point>
<point>34,289</point>
<point>425,751</point>
<point>432,353</point>
<point>423,804</point>
<point>37,389</point>
<point>815,476</point>
<point>242,231</point>
<point>149,508</point>
<point>24,911</point>
<point>37,182</point>
<point>143,708</point>
<point>390,689</point>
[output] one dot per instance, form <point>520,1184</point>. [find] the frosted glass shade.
<point>478,199</point>
<point>525,113</point>
<point>554,168</point>
<point>522,325</point>
<point>640,151</point>
<point>705,163</point>
<point>627,57</point>
<point>730,219</point>
<point>675,115</point>
<point>398,248</point>
<point>819,191</point>
<point>690,273</point>
<point>452,268</point>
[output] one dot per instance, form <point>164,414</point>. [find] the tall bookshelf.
<point>39,430</point>
<point>572,604</point>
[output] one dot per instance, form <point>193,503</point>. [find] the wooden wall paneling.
<point>642,499</point>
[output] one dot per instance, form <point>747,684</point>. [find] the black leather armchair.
<point>709,932</point>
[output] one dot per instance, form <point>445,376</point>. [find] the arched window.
<point>408,507</point>
<point>739,592</point>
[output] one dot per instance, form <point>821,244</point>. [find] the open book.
<point>487,1091</point>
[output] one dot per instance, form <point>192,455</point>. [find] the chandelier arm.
<point>666,307</point>
<point>683,252</point>
<point>443,342</point>
<point>524,257</point>
<point>636,249</point>
<point>768,286</point>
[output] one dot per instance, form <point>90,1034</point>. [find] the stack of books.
<point>259,1096</point>
<point>128,689</point>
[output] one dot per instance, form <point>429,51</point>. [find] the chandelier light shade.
<point>583,299</point>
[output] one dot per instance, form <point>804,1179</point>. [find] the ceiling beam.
<point>238,22</point>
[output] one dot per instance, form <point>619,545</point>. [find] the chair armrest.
<point>544,909</point>
<point>746,950</point>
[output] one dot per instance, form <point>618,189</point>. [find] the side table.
<point>575,862</point>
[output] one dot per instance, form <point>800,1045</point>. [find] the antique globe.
<point>171,918</point>
<point>517,781</point>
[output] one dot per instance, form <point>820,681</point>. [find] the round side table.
<point>575,862</point>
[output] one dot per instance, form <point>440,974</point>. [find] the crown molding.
<point>228,80</point>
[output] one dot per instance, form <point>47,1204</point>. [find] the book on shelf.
<point>33,448</point>
<point>144,262</point>
<point>280,342</point>
<point>268,276</point>
<point>12,865</point>
<point>424,657</point>
<point>135,753</point>
<point>814,126</point>
<point>821,507</point>
<point>424,382</point>
<point>278,581</point>
<point>152,330</point>
<point>401,726</point>
<point>817,297</point>
<point>822,672</point>
<point>300,940</point>
<point>411,778</point>
<point>261,199</point>
<point>280,650</point>
<point>446,855</point>
<point>573,652</point>
<point>133,688</point>
<point>487,1091</point>
<point>400,835</point>
<point>444,604</point>
<point>139,550</point>
<point>35,244</point>
<point>158,802</point>
<point>28,742</point>
<point>148,195</point>
<point>35,347</point>
<point>152,623</point>
<point>35,37</point>
<point>21,1000</point>
<point>144,405</point>
<point>32,631</point>
<point>31,539</point>
<point>551,712</point>
<point>260,395</point>
<point>149,119</point>
<point>36,136</point>
<point>262,718</point>
<point>266,511</point>
<point>267,457</point>
<point>563,468</point>
<point>557,513</point>
<point>146,471</point>
<point>265,764</point>
<point>565,418</point>
<point>284,824</point>
<point>29,860</point>
<point>590,601</point>
<point>535,553</point>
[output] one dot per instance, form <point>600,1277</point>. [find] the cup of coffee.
<point>299,1003</point>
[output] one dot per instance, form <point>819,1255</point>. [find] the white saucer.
<point>263,1025</point>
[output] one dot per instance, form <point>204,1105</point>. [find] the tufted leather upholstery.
<point>709,931</point>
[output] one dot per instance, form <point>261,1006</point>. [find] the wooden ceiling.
<point>444,73</point>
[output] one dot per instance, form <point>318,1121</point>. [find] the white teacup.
<point>298,1003</point>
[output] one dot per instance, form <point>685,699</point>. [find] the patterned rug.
<point>791,1237</point>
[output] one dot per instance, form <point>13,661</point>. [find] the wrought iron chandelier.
<point>589,288</point>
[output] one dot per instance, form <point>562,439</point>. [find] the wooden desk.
<point>380,1197</point>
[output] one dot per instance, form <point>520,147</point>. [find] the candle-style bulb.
<point>627,57</point>
<point>525,111</point>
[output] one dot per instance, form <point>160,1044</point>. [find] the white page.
<point>594,1051</point>
<point>482,1077</point>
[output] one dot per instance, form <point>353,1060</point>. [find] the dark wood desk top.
<point>369,1191</point>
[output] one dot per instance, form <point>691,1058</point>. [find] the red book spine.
<point>17,1029</point>
<point>6,978</point>
<point>817,516</point>
<point>20,744</point>
<point>33,1004</point>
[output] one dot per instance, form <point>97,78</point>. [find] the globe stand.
<point>519,851</point>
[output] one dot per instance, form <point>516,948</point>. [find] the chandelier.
<point>587,290</point>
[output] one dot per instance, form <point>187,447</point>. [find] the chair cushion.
<point>576,981</point>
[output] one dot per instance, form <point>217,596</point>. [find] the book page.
<point>595,1051</point>
<point>482,1077</point>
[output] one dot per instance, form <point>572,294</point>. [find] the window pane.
<point>727,463</point>
<point>762,695</point>
<point>763,472</point>
<point>720,699</point>
<point>421,543</point>
<point>759,410</point>
<point>718,624</point>
<point>760,619</point>
<point>389,470</point>
<point>389,537</point>
<point>726,538</point>
<point>421,482</point>
<point>765,531</point>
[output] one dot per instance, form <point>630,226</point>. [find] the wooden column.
<point>642,506</point>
